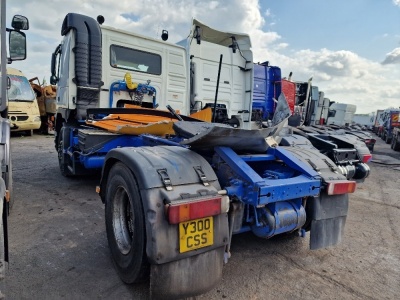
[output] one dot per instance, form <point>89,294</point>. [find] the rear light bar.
<point>338,187</point>
<point>196,209</point>
<point>366,158</point>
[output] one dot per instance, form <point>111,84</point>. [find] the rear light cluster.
<point>370,141</point>
<point>196,209</point>
<point>366,158</point>
<point>338,187</point>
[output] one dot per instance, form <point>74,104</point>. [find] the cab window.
<point>135,60</point>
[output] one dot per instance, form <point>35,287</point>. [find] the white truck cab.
<point>341,114</point>
<point>98,66</point>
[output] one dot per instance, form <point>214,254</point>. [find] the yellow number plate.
<point>196,234</point>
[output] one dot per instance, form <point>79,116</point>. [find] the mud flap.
<point>328,217</point>
<point>187,277</point>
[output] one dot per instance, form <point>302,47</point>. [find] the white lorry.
<point>173,199</point>
<point>17,51</point>
<point>91,78</point>
<point>341,114</point>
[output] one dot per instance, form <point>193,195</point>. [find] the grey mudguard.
<point>327,213</point>
<point>295,139</point>
<point>146,162</point>
<point>162,244</point>
<point>162,238</point>
<point>318,161</point>
<point>328,217</point>
<point>176,280</point>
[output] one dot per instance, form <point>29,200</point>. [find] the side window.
<point>135,60</point>
<point>331,113</point>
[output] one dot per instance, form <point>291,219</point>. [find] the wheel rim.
<point>123,220</point>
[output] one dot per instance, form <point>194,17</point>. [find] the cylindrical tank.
<point>279,217</point>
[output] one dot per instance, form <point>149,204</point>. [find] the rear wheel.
<point>2,261</point>
<point>8,179</point>
<point>395,144</point>
<point>63,158</point>
<point>3,231</point>
<point>125,225</point>
<point>387,139</point>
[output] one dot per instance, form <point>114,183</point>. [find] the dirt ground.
<point>58,245</point>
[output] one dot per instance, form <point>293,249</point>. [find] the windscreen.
<point>20,89</point>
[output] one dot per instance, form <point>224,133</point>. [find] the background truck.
<point>23,109</point>
<point>268,85</point>
<point>365,121</point>
<point>390,120</point>
<point>395,144</point>
<point>17,51</point>
<point>177,188</point>
<point>311,114</point>
<point>376,124</point>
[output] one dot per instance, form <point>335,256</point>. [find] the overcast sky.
<point>351,48</point>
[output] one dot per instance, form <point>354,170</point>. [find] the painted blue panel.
<point>266,87</point>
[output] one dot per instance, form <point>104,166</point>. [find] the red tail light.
<point>185,211</point>
<point>370,141</point>
<point>366,158</point>
<point>338,187</point>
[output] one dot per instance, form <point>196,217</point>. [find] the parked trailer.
<point>176,189</point>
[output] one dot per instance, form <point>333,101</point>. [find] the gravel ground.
<point>58,246</point>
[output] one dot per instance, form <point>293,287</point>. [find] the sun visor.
<point>203,32</point>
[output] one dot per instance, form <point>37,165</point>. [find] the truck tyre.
<point>3,238</point>
<point>8,180</point>
<point>125,225</point>
<point>395,144</point>
<point>2,262</point>
<point>387,139</point>
<point>63,158</point>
